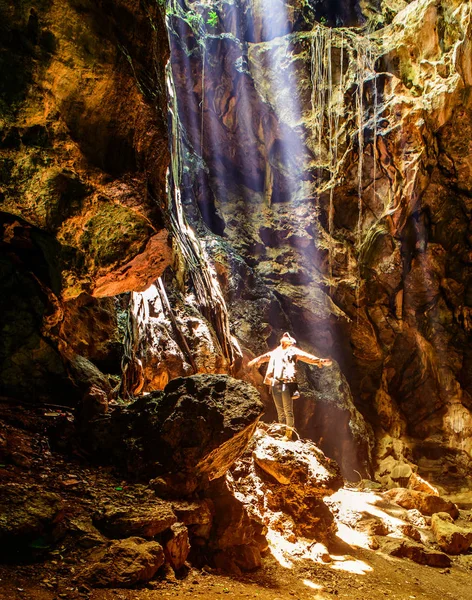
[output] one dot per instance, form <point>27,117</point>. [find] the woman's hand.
<point>326,362</point>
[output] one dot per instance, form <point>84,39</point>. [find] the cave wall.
<point>367,253</point>
<point>83,160</point>
<point>361,248</point>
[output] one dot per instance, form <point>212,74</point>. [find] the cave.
<point>236,308</point>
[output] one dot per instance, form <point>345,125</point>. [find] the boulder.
<point>416,552</point>
<point>285,483</point>
<point>450,537</point>
<point>182,437</point>
<point>298,464</point>
<point>232,525</point>
<point>425,503</point>
<point>141,521</point>
<point>237,538</point>
<point>123,563</point>
<point>27,513</point>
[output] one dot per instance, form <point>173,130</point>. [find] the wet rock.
<point>144,521</point>
<point>425,503</point>
<point>416,552</point>
<point>123,563</point>
<point>177,546</point>
<point>450,537</point>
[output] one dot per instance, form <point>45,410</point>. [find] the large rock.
<point>27,513</point>
<point>183,437</point>
<point>450,537</point>
<point>235,537</point>
<point>298,465</point>
<point>425,503</point>
<point>146,521</point>
<point>123,563</point>
<point>284,484</point>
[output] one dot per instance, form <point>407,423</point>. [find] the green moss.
<point>114,234</point>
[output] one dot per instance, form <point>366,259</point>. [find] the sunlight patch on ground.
<point>353,537</point>
<point>286,552</point>
<point>357,503</point>
<point>350,565</point>
<point>312,584</point>
<point>280,548</point>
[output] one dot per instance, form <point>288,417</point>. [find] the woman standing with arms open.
<point>281,376</point>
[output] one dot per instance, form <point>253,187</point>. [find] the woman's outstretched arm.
<point>259,360</point>
<point>311,359</point>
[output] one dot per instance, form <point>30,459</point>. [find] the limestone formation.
<point>347,201</point>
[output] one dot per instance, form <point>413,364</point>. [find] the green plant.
<point>212,18</point>
<point>323,21</point>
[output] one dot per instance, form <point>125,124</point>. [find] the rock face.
<point>335,165</point>
<point>83,156</point>
<point>183,437</point>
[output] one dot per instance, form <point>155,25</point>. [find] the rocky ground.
<point>77,510</point>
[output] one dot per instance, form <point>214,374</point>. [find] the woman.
<point>282,372</point>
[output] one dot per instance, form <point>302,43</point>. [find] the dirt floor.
<point>352,572</point>
<point>382,577</point>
